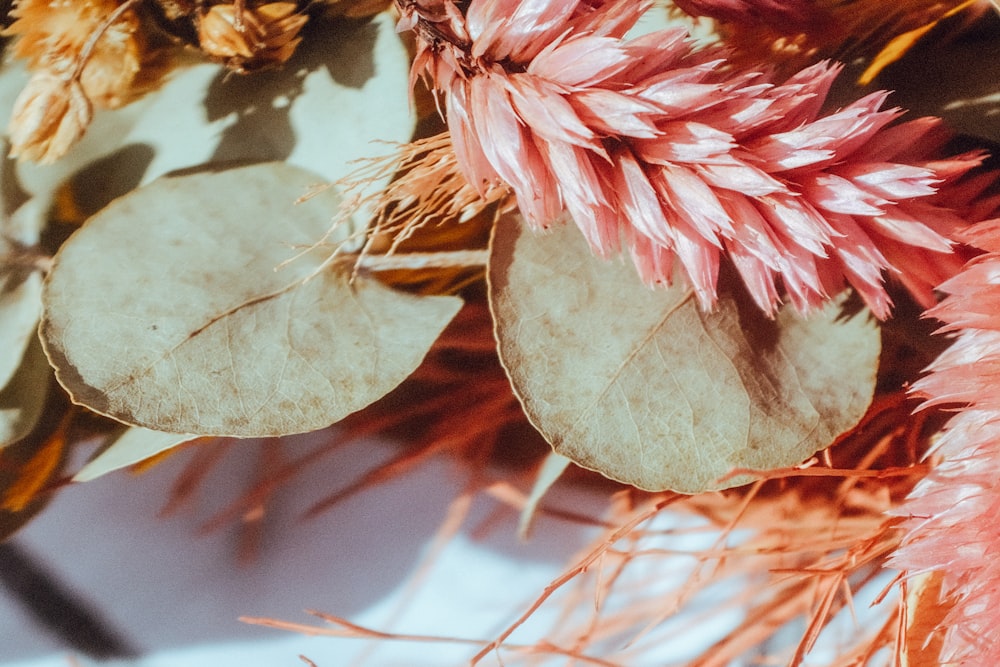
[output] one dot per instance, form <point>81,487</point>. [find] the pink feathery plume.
<point>674,157</point>
<point>951,516</point>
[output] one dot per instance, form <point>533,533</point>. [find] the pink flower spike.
<point>683,159</point>
<point>950,516</point>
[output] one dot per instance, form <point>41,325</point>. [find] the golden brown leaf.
<point>35,473</point>
<point>900,44</point>
<point>29,466</point>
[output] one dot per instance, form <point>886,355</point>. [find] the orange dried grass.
<point>794,547</point>
<point>875,31</point>
<point>428,207</point>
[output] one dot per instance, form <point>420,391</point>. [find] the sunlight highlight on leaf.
<point>549,472</point>
<point>925,615</point>
<point>135,445</point>
<point>899,45</point>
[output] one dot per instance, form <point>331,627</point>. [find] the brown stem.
<point>238,7</point>
<point>91,43</point>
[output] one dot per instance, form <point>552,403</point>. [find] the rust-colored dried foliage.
<point>795,547</point>
<point>873,30</point>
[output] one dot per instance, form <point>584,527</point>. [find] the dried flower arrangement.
<point>759,361</point>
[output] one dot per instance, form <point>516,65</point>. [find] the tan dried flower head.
<point>52,35</point>
<point>49,116</point>
<point>247,38</point>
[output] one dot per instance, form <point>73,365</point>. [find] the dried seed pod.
<point>49,117</point>
<point>247,38</point>
<point>53,35</point>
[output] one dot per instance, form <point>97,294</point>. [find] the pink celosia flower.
<point>666,152</point>
<point>952,523</point>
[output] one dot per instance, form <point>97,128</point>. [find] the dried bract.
<point>50,115</point>
<point>247,38</point>
<point>83,54</point>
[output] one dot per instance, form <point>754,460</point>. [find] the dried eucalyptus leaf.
<point>643,387</point>
<point>20,307</point>
<point>22,399</point>
<point>166,310</point>
<point>135,444</point>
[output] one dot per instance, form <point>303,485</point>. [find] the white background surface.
<point>177,594</point>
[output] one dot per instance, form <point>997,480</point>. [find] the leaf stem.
<point>91,43</point>
<point>423,260</point>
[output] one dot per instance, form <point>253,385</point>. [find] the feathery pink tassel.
<point>951,523</point>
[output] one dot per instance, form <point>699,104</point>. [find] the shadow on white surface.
<point>166,588</point>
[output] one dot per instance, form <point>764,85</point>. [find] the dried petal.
<point>49,116</point>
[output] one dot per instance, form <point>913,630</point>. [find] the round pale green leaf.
<point>642,386</point>
<point>20,306</point>
<point>168,310</point>
<point>22,399</point>
<point>21,224</point>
